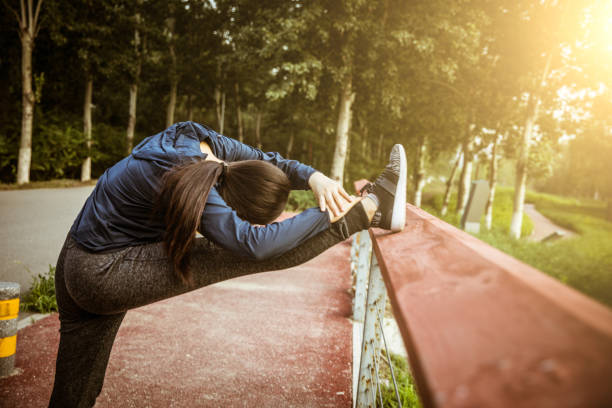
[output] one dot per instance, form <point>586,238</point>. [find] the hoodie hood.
<point>175,145</point>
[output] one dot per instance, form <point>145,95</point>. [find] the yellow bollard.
<point>9,311</point>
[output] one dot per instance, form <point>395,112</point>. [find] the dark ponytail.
<point>181,203</point>
<point>255,189</point>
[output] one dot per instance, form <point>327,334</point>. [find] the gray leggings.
<point>94,291</point>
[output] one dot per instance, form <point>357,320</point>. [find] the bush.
<point>58,148</point>
<point>57,152</point>
<point>300,200</point>
<point>41,298</point>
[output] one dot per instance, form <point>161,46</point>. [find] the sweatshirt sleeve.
<point>228,149</point>
<point>220,224</point>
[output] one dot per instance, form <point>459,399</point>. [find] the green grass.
<point>41,298</point>
<point>57,183</point>
<point>502,211</point>
<point>583,262</point>
<point>406,386</point>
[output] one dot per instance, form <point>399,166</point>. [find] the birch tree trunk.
<point>290,145</point>
<point>129,137</point>
<point>173,71</point>
<point>449,183</point>
<point>86,165</point>
<point>28,20</point>
<point>27,104</point>
<point>258,129</point>
<point>492,185</point>
<point>466,174</point>
<point>364,142</point>
<point>190,107</point>
<point>239,114</point>
<point>347,97</point>
<point>220,107</point>
<point>520,186</point>
<point>419,172</point>
<point>171,102</point>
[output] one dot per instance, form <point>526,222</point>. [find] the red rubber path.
<point>277,339</point>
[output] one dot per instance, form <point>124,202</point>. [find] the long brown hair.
<point>256,190</point>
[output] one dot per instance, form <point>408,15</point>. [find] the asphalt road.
<point>33,226</point>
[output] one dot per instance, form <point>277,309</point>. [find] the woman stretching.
<point>134,242</point>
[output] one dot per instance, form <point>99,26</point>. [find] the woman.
<point>134,242</point>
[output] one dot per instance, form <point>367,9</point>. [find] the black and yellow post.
<point>9,310</point>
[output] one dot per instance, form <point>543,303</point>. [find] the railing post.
<point>377,297</point>
<point>363,251</point>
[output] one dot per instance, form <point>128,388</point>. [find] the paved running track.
<point>276,339</point>
<point>33,226</point>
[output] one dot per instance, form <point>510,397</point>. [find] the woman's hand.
<point>329,193</point>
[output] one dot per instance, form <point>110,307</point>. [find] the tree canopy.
<point>330,83</point>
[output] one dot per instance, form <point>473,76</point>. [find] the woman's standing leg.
<point>86,340</point>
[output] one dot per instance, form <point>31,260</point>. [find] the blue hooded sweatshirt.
<point>119,211</point>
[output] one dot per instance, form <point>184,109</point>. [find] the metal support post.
<point>377,297</point>
<point>363,253</point>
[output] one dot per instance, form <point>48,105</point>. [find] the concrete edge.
<point>30,319</point>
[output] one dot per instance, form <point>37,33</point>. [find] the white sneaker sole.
<point>398,218</point>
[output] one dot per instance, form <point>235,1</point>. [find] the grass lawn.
<point>583,262</point>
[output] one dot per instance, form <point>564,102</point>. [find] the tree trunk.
<point>419,172</point>
<point>171,102</point>
<point>132,118</point>
<point>170,21</point>
<point>466,174</point>
<point>492,185</point>
<point>220,107</point>
<point>520,186</point>
<point>290,145</point>
<point>239,114</point>
<point>86,165</point>
<point>27,115</point>
<point>190,107</point>
<point>347,97</point>
<point>364,142</point>
<point>129,137</point>
<point>449,183</point>
<point>258,129</point>
<point>380,146</point>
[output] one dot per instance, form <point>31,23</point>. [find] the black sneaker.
<point>390,188</point>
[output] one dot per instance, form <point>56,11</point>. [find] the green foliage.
<point>583,262</point>
<point>57,148</point>
<point>41,298</point>
<point>405,382</point>
<point>58,151</point>
<point>108,146</point>
<point>300,200</point>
